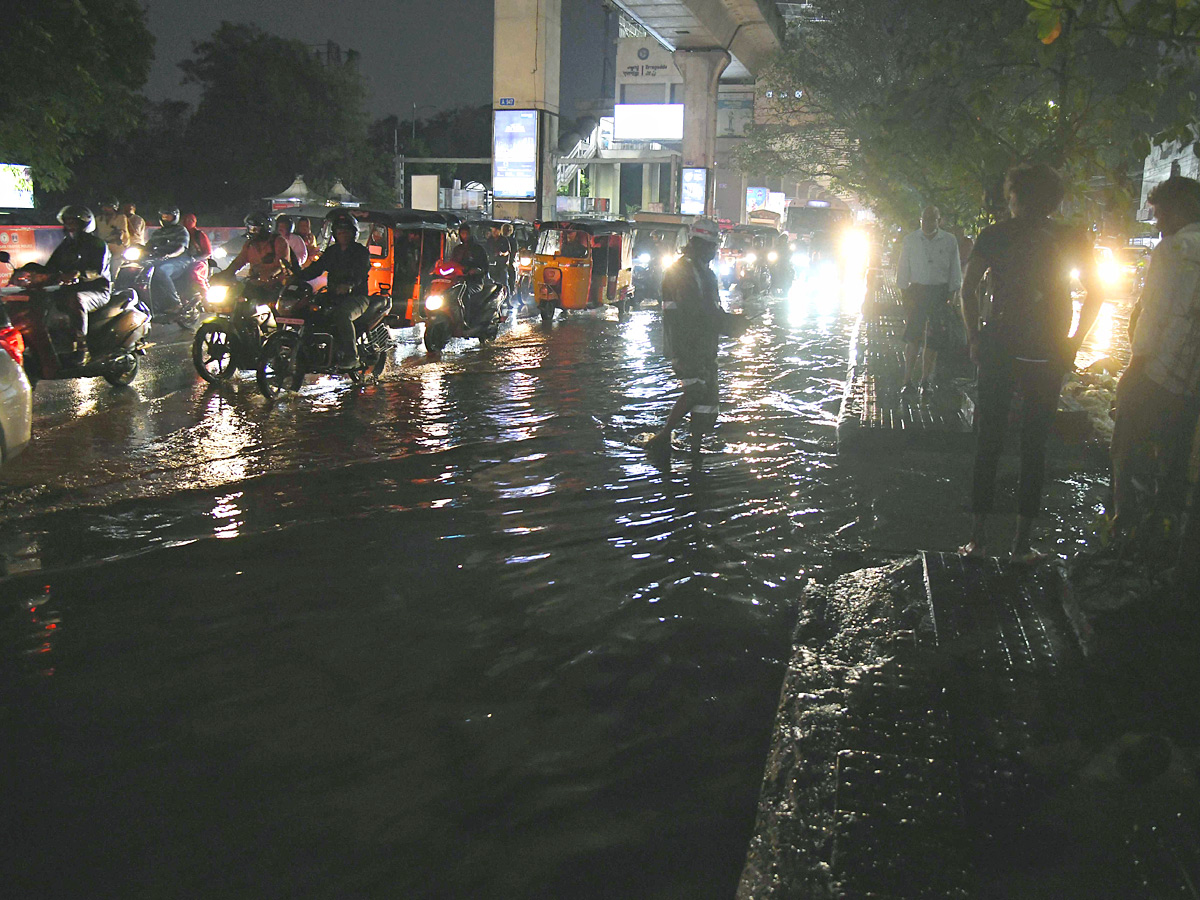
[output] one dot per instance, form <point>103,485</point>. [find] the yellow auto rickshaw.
<point>583,264</point>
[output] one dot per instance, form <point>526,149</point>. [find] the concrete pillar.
<point>701,70</point>
<point>525,75</point>
<point>649,184</point>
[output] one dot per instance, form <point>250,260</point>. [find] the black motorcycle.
<point>451,310</point>
<point>304,344</point>
<point>231,337</point>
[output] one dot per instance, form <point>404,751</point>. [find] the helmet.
<point>171,212</point>
<point>285,220</point>
<point>256,224</point>
<point>106,202</point>
<point>82,213</point>
<point>705,230</point>
<point>342,221</point>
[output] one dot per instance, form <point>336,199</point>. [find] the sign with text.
<point>515,154</point>
<point>645,61</point>
<point>694,196</point>
<point>648,122</point>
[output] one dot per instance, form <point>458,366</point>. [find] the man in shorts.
<point>929,274</point>
<point>693,323</point>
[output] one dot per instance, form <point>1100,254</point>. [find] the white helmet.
<point>705,230</point>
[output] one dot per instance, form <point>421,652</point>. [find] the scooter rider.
<point>81,263</point>
<point>347,265</point>
<point>169,244</point>
<point>268,256</point>
<point>473,258</point>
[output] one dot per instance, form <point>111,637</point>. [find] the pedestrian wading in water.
<point>1025,346</point>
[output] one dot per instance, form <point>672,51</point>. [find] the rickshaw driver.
<point>574,245</point>
<point>347,263</point>
<point>693,323</point>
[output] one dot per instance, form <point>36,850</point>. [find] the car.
<point>16,394</point>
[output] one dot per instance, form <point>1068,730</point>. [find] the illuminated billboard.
<point>694,196</point>
<point>648,122</point>
<point>514,154</point>
<point>16,186</point>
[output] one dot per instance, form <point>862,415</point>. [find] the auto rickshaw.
<point>404,245</point>
<point>745,257</point>
<point>583,264</point>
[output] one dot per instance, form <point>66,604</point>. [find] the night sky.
<point>433,52</point>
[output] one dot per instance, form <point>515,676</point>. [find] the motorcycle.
<point>446,313</point>
<point>116,332</point>
<point>304,343</point>
<point>137,273</point>
<point>231,337</point>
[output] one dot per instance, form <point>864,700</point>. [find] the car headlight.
<point>749,259</point>
<point>219,253</point>
<point>132,253</point>
<point>218,294</point>
<point>435,301</point>
<point>772,256</point>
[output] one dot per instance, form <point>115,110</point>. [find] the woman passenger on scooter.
<point>347,265</point>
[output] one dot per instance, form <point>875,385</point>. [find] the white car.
<point>16,396</point>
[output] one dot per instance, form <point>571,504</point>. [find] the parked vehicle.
<point>16,393</point>
<point>583,264</point>
<point>116,332</point>
<point>451,312</point>
<point>232,334</point>
<point>304,344</point>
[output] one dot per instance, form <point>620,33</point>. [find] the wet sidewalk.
<point>941,734</point>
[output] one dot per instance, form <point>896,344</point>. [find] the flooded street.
<point>448,635</point>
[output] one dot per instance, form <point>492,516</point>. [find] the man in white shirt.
<point>929,275</point>
<point>285,226</point>
<point>1158,398</point>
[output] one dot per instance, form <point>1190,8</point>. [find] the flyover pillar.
<point>701,71</point>
<point>525,75</point>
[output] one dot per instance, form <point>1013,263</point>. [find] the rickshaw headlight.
<point>217,294</point>
<point>435,301</point>
<point>772,256</point>
<point>750,259</point>
<point>132,253</point>
<point>643,259</point>
<point>525,260</point>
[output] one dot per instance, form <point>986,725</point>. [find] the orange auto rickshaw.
<point>583,264</point>
<point>404,245</point>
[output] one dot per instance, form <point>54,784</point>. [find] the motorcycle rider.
<point>169,243</point>
<point>81,263</point>
<point>347,265</point>
<point>268,256</point>
<point>199,247</point>
<point>473,258</point>
<point>113,228</point>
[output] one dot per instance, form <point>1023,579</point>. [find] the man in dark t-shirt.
<point>1025,342</point>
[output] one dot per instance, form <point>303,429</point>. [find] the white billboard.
<point>16,186</point>
<point>648,122</point>
<point>694,196</point>
<point>514,154</point>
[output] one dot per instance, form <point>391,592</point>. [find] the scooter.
<point>446,313</point>
<point>137,273</point>
<point>304,343</point>
<point>116,332</point>
<point>232,334</point>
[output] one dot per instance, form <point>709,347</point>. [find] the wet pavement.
<point>446,635</point>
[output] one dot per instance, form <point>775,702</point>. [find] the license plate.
<point>283,321</point>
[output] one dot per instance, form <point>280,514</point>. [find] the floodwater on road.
<point>446,636</point>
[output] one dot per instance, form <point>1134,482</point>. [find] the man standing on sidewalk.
<point>1158,398</point>
<point>693,323</point>
<point>929,274</point>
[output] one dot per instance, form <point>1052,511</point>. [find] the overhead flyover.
<point>751,31</point>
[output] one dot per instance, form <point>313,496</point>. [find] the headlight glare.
<point>435,301</point>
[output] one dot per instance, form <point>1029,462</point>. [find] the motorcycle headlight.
<point>525,260</point>
<point>772,256</point>
<point>219,253</point>
<point>750,259</point>
<point>435,301</point>
<point>643,259</point>
<point>132,253</point>
<point>726,268</point>
<point>217,294</point>
<point>669,259</point>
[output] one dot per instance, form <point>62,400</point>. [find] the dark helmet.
<point>82,213</point>
<point>343,221</point>
<point>257,225</point>
<point>286,220</point>
<point>106,202</point>
<point>171,212</point>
